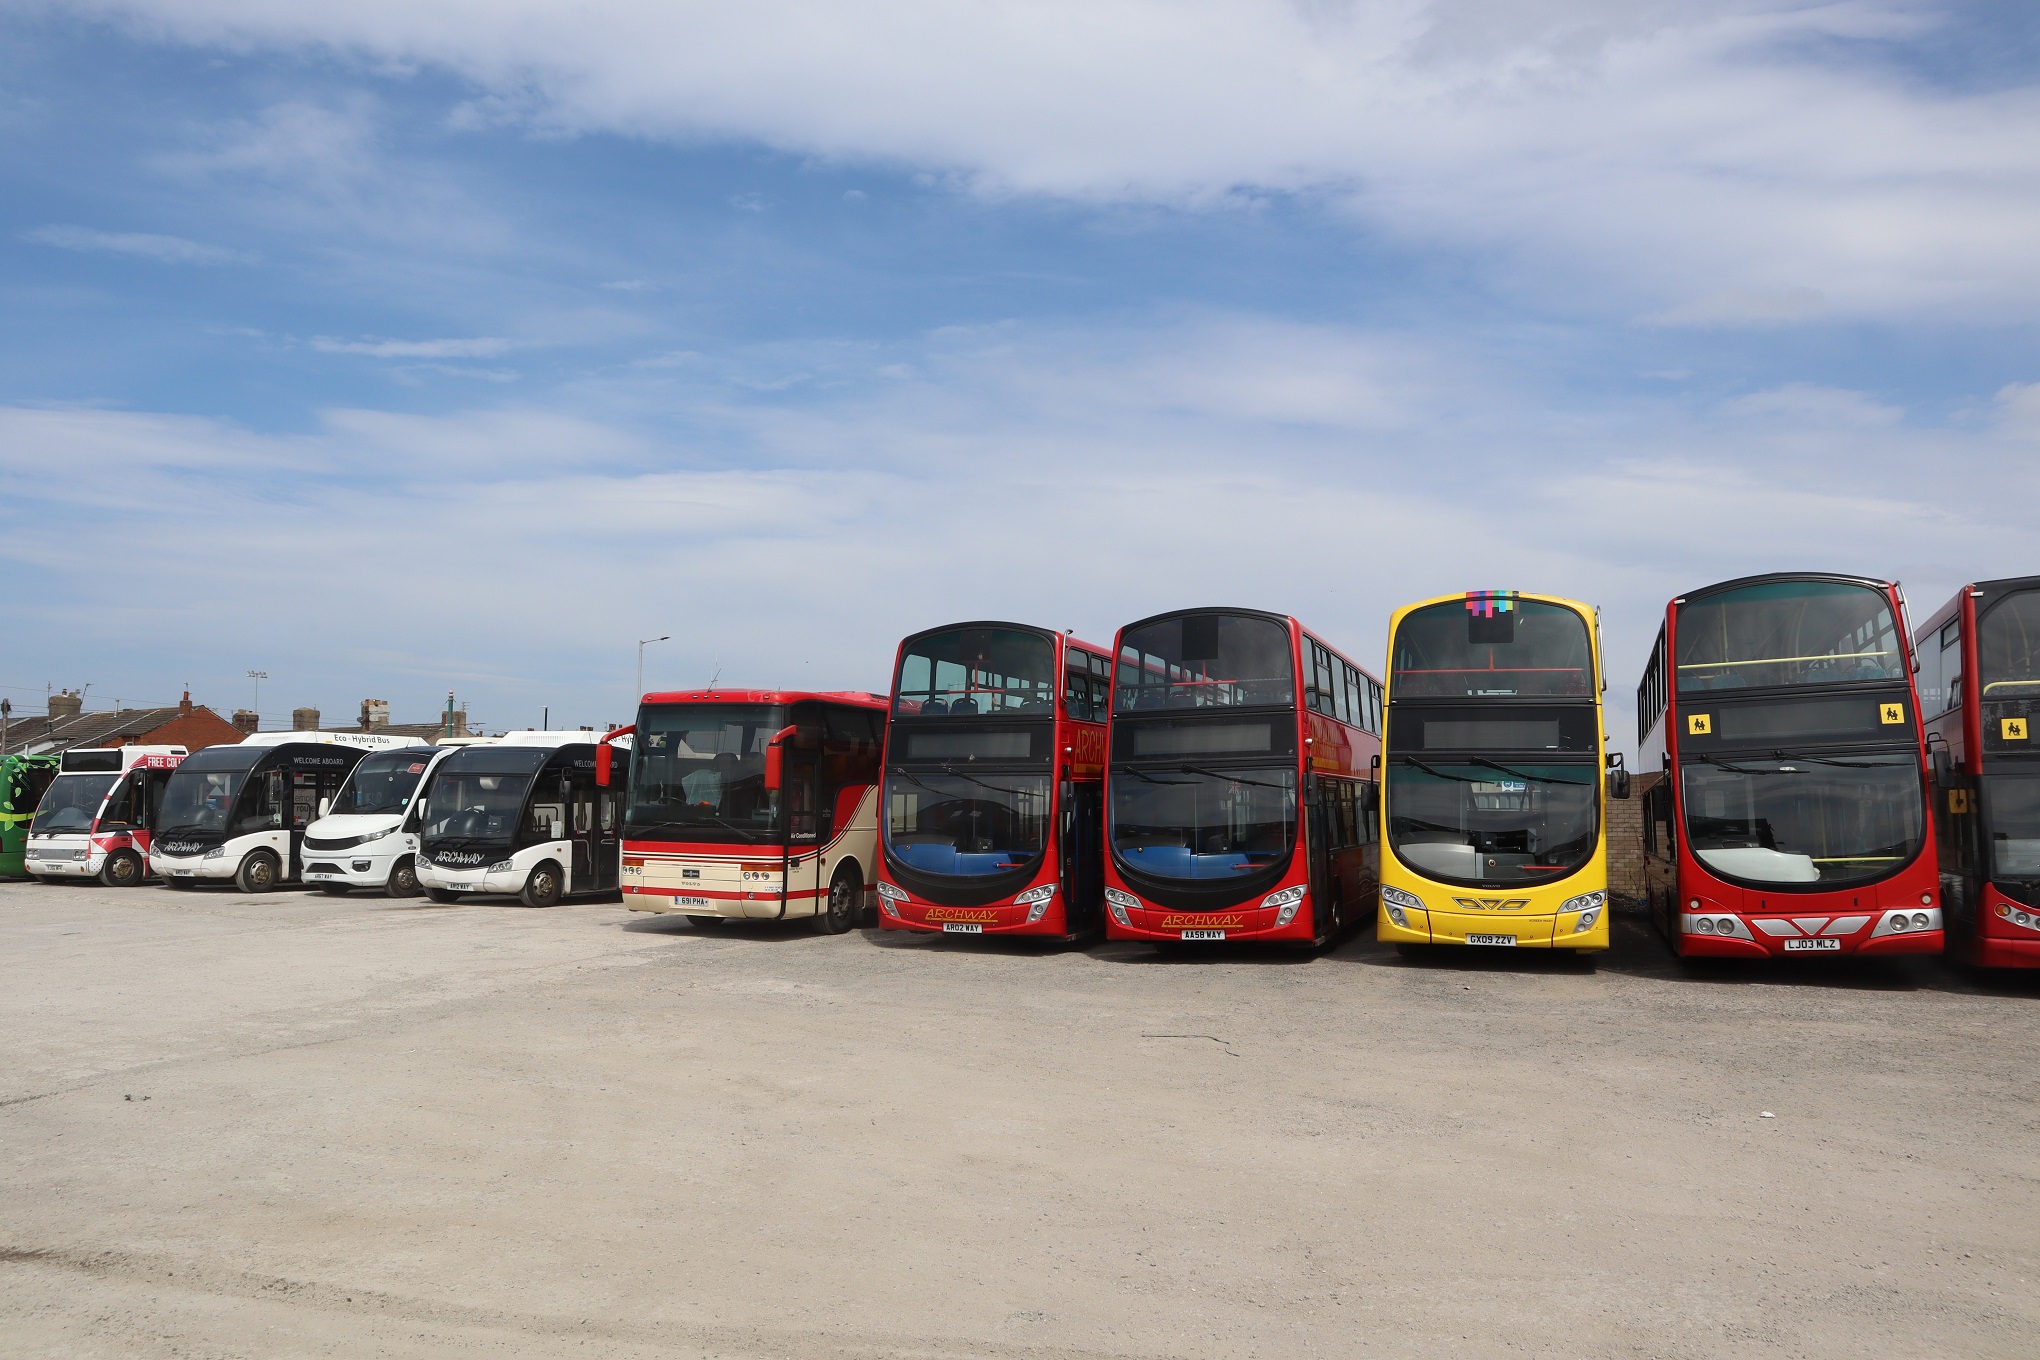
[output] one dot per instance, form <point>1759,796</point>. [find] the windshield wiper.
<point>1534,778</point>
<point>694,826</point>
<point>1435,771</point>
<point>1234,778</point>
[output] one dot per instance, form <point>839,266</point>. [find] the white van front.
<point>369,835</point>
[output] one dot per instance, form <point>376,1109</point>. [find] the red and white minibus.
<point>1241,801</point>
<point>97,815</point>
<point>754,805</point>
<point>994,783</point>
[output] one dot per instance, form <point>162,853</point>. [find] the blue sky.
<point>394,348</point>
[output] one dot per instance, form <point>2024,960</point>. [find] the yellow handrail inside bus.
<point>1776,660</point>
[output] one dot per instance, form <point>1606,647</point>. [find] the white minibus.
<point>536,814</point>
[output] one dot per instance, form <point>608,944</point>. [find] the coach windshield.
<point>966,672</point>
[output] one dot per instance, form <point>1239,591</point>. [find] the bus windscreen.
<point>1493,826</point>
<point>1491,646</point>
<point>966,824</point>
<point>2008,647</point>
<point>70,803</point>
<point>1794,820</point>
<point>963,672</point>
<point>698,772</point>
<point>1780,633</point>
<point>1204,661</point>
<point>381,783</point>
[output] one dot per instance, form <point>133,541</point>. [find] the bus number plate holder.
<point>1504,940</point>
<point>1203,934</point>
<point>962,928</point>
<point>1821,945</point>
<point>690,901</point>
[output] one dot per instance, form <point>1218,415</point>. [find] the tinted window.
<point>1491,643</point>
<point>1788,633</point>
<point>2008,647</point>
<point>1204,661</point>
<point>966,671</point>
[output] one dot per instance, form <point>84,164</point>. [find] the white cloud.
<point>479,347</point>
<point>168,249</point>
<point>1078,480</point>
<point>1707,162</point>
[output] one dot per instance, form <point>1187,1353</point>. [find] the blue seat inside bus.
<point>939,857</point>
<point>1180,861</point>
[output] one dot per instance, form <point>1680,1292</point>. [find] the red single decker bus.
<point>755,805</point>
<point>1979,684</point>
<point>1791,817</point>
<point>994,768</point>
<point>1239,789</point>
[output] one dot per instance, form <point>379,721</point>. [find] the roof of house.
<point>38,735</point>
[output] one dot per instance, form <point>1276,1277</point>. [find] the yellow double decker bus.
<point>1493,792</point>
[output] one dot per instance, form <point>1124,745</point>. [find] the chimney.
<point>64,704</point>
<point>304,720</point>
<point>247,722</point>
<point>184,705</point>
<point>374,713</point>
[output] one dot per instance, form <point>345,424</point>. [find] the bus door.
<point>608,833</point>
<point>799,796</point>
<point>1082,831</point>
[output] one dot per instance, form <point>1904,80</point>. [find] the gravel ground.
<point>300,1125</point>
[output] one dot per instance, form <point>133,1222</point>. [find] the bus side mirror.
<point>1370,798</point>
<point>1944,766</point>
<point>775,760</point>
<point>1618,777</point>
<point>324,803</point>
<point>603,755</point>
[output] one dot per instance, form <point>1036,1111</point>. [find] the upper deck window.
<point>1204,661</point>
<point>2008,647</point>
<point>1788,633</point>
<point>972,671</point>
<point>1491,644</point>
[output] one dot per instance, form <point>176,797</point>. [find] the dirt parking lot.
<point>298,1125</point>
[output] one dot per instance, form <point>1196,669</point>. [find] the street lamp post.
<point>641,663</point>
<point>258,677</point>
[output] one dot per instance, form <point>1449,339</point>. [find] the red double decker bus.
<point>1791,816</point>
<point>994,765</point>
<point>1979,685</point>
<point>1239,787</point>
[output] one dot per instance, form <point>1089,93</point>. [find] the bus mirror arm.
<point>1618,777</point>
<point>775,759</point>
<point>603,755</point>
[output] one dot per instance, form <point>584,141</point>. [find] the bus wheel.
<point>257,873</point>
<point>123,869</point>
<point>178,884</point>
<point>403,879</point>
<point>844,905</point>
<point>445,897</point>
<point>542,889</point>
<point>333,889</point>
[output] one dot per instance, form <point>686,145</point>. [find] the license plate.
<point>1203,934</point>
<point>1819,945</point>
<point>316,877</point>
<point>1491,939</point>
<point>182,873</point>
<point>690,901</point>
<point>962,928</point>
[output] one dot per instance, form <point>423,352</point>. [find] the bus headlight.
<point>375,835</point>
<point>1589,906</point>
<point>502,866</point>
<point>1289,899</point>
<point>1904,922</point>
<point>889,897</point>
<point>1120,903</point>
<point>217,852</point>
<point>1395,902</point>
<point>1036,901</point>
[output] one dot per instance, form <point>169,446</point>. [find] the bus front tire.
<point>177,884</point>
<point>542,889</point>
<point>123,869</point>
<point>403,879</point>
<point>844,906</point>
<point>258,873</point>
<point>445,897</point>
<point>333,889</point>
